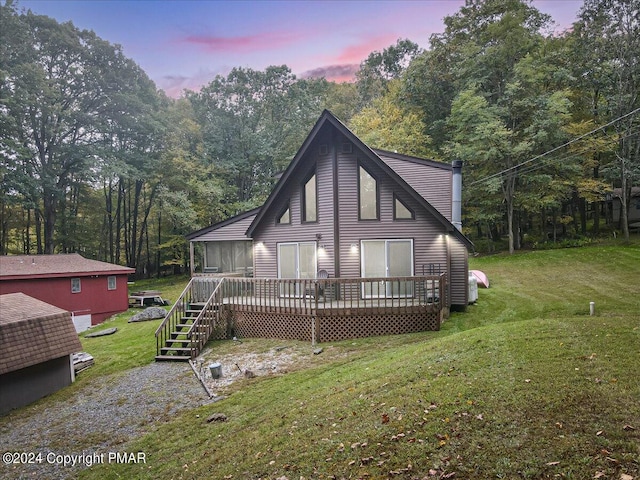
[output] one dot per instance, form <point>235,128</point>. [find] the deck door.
<point>296,260</point>
<point>387,258</point>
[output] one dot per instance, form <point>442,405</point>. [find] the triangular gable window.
<point>285,216</point>
<point>401,211</point>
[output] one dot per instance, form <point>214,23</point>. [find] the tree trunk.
<point>50,206</point>
<point>508,190</point>
<point>624,204</point>
<point>582,205</point>
<point>39,248</point>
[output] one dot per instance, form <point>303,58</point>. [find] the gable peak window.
<point>310,199</point>
<point>285,216</point>
<point>367,195</point>
<point>401,211</point>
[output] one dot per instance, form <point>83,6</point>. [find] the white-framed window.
<point>76,286</point>
<point>111,282</point>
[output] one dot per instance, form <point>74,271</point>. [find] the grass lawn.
<point>525,384</point>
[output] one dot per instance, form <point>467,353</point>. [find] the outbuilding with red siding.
<point>91,290</point>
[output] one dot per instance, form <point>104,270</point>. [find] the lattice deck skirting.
<point>328,328</point>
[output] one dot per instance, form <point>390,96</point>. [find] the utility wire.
<point>532,168</point>
<point>566,144</point>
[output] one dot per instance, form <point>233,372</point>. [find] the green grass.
<point>133,345</point>
<point>525,384</point>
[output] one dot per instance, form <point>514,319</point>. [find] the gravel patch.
<point>238,366</point>
<point>100,418</point>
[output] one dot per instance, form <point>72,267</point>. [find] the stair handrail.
<point>177,304</point>
<point>200,316</point>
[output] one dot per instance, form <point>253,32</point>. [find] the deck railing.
<point>200,310</point>
<point>334,295</point>
<point>208,320</point>
<point>198,292</point>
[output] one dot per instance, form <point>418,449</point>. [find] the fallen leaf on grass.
<point>385,418</point>
<point>599,475</point>
<point>624,476</point>
<point>552,464</point>
<point>628,428</point>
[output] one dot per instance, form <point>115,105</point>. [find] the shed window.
<point>401,211</point>
<point>367,195</point>
<point>75,285</point>
<point>310,200</point>
<point>111,282</point>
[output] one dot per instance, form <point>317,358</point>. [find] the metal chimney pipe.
<point>456,194</point>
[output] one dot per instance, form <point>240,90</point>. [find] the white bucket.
<point>216,370</point>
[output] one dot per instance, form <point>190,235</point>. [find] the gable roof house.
<point>91,290</point>
<point>37,342</point>
<point>351,242</point>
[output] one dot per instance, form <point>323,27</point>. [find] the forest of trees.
<point>96,160</point>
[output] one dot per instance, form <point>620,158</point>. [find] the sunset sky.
<point>183,44</point>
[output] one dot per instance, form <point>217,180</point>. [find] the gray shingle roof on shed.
<point>62,265</point>
<point>32,332</point>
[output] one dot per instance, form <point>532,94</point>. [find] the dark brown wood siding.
<point>269,234</point>
<point>431,250</point>
<point>428,240</point>
<point>459,273</point>
<point>433,183</point>
<point>233,231</point>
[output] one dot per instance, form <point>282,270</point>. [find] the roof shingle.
<point>32,332</point>
<point>21,266</point>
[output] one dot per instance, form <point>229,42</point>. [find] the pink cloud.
<point>334,73</point>
<point>175,85</point>
<point>246,43</point>
<point>359,52</point>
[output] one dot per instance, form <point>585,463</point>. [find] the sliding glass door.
<point>296,260</point>
<point>387,258</point>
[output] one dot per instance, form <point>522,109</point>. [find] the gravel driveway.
<point>99,418</point>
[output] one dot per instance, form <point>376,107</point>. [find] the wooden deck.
<point>317,310</point>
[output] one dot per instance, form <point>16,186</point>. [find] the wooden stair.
<point>177,348</point>
<point>173,342</point>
